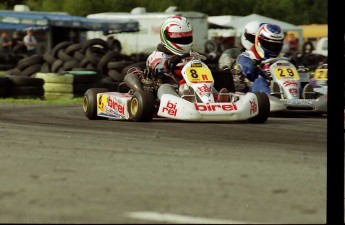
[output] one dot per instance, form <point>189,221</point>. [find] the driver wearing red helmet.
<point>167,60</point>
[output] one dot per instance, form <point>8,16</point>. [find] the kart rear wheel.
<point>90,103</point>
<point>264,108</point>
<point>141,107</point>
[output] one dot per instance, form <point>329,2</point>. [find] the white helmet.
<point>269,41</point>
<point>177,35</point>
<point>248,35</point>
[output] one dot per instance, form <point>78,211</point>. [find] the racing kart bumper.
<point>179,109</point>
<point>318,105</point>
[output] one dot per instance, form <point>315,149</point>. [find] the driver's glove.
<point>173,61</point>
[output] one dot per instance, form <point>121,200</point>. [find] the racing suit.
<point>247,64</point>
<point>158,63</point>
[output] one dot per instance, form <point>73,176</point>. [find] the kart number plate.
<point>196,75</point>
<point>285,72</point>
<point>321,74</point>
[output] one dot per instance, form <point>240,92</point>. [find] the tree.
<point>297,12</point>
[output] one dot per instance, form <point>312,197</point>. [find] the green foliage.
<point>297,12</point>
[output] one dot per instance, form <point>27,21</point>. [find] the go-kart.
<point>140,102</point>
<point>287,92</point>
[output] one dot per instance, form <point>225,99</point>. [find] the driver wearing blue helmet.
<point>268,44</point>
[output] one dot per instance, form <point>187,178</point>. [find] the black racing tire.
<point>27,90</point>
<point>69,65</point>
<point>61,45</point>
<point>94,55</point>
<point>85,78</point>
<point>141,107</point>
<point>90,66</point>
<point>102,64</point>
<point>14,72</point>
<point>119,65</point>
<point>114,45</point>
<point>47,56</point>
<point>211,46</point>
<point>31,70</point>
<point>263,107</point>
<point>90,103</point>
<point>56,65</point>
<point>115,75</point>
<point>4,81</point>
<point>45,68</point>
<point>25,81</point>
<point>80,89</point>
<point>63,56</point>
<point>78,55</point>
<point>3,92</point>
<point>70,50</point>
<point>28,61</point>
<point>95,42</point>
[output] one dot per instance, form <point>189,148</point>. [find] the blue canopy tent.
<point>60,25</point>
<point>41,19</point>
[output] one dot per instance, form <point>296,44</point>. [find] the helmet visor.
<point>274,47</point>
<point>180,37</point>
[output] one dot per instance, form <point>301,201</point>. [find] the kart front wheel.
<point>90,103</point>
<point>141,107</point>
<point>263,107</point>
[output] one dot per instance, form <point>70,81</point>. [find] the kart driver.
<point>166,61</point>
<point>268,44</point>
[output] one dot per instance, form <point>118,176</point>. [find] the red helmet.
<point>177,35</point>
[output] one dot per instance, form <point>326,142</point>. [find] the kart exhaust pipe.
<point>133,82</point>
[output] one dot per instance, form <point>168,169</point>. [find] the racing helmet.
<point>269,41</point>
<point>248,35</point>
<point>177,35</point>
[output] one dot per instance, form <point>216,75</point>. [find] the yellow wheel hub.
<point>85,103</point>
<point>134,106</point>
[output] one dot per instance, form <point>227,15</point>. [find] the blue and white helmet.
<point>269,41</point>
<point>249,33</point>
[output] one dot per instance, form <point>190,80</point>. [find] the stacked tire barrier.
<point>94,63</point>
<point>27,66</point>
<point>57,86</point>
<point>25,87</point>
<point>4,87</point>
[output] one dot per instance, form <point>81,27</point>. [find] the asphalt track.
<point>56,166</point>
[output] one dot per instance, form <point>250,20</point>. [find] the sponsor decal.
<point>293,91</point>
<point>283,64</point>
<point>215,107</point>
<point>290,82</point>
<point>204,90</point>
<point>113,104</point>
<point>196,65</point>
<point>101,102</point>
<point>253,106</point>
<point>170,108</point>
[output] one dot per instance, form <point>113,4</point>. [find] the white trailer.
<point>147,38</point>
